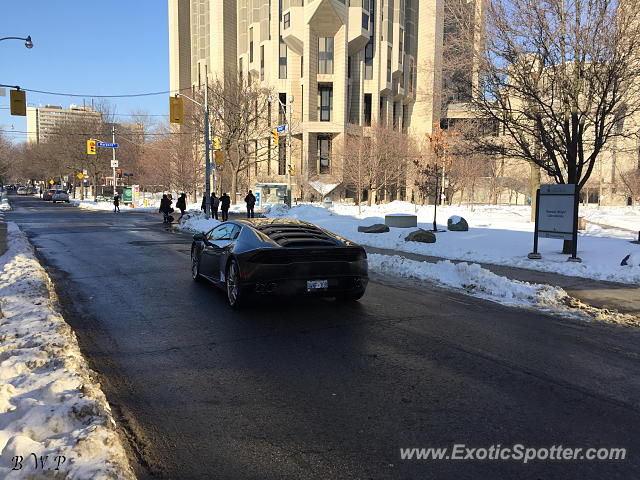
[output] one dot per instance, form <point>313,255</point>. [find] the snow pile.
<point>472,278</point>
<point>480,282</point>
<point>195,221</point>
<point>50,404</point>
<point>108,206</point>
<point>500,235</point>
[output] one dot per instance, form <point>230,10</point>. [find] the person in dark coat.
<point>250,200</point>
<point>165,208</point>
<point>116,203</point>
<point>181,204</point>
<point>215,204</point>
<point>203,206</point>
<point>225,203</point>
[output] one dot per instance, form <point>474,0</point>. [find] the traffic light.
<point>119,172</point>
<point>91,147</point>
<point>18,100</point>
<point>218,157</point>
<point>274,134</point>
<point>216,143</point>
<point>176,110</point>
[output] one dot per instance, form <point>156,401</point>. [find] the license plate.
<point>317,285</point>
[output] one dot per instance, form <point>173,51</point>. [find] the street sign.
<point>80,175</point>
<point>114,163</point>
<point>51,182</point>
<point>281,128</point>
<point>107,145</point>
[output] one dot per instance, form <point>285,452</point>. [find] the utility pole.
<point>207,159</point>
<point>289,159</point>
<point>113,153</point>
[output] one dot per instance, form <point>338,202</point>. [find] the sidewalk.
<point>600,294</point>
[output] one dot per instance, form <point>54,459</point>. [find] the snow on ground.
<point>50,403</point>
<point>499,235</point>
<point>480,282</point>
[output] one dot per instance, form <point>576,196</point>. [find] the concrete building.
<point>344,63</point>
<point>42,121</point>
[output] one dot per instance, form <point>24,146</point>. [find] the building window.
<point>282,73</point>
<point>383,111</point>
<point>261,62</point>
<point>367,109</point>
<point>324,154</point>
<point>401,46</point>
<point>301,66</point>
<point>251,45</point>
<point>349,67</point>
<point>287,20</point>
<point>325,55</point>
<point>389,53</point>
<point>365,21</point>
<point>325,102</point>
<point>368,60</point>
<point>240,73</point>
<point>282,117</point>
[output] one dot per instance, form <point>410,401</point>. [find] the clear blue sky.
<point>105,47</point>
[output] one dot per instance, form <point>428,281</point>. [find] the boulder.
<point>377,228</point>
<point>457,224</point>
<point>631,260</point>
<point>401,220</point>
<point>422,236</point>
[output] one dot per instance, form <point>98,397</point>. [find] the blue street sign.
<point>279,129</point>
<point>107,145</point>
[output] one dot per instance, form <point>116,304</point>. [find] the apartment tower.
<point>344,64</point>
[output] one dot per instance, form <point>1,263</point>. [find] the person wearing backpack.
<point>215,204</point>
<point>225,203</point>
<point>250,200</point>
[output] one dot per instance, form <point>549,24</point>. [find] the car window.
<point>227,231</point>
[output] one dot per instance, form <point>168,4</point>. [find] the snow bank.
<point>50,403</point>
<point>480,282</point>
<point>500,235</point>
<point>195,221</point>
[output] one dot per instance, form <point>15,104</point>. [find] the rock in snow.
<point>376,228</point>
<point>457,224</point>
<point>422,236</point>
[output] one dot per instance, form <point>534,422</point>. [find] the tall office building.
<point>344,63</point>
<point>42,122</point>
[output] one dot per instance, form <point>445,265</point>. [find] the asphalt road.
<point>317,389</point>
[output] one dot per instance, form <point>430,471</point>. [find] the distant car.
<point>48,194</point>
<point>22,191</point>
<point>60,196</point>
<point>265,257</point>
<point>31,190</point>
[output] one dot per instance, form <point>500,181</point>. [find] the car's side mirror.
<point>200,237</point>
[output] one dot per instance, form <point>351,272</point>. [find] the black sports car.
<point>265,257</point>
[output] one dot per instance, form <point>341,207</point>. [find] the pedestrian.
<point>181,204</point>
<point>225,203</point>
<point>116,203</point>
<point>165,208</point>
<point>203,206</point>
<point>215,203</point>
<point>250,200</point>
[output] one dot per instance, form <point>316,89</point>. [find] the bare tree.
<point>557,76</point>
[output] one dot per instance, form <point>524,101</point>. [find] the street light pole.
<point>113,158</point>
<point>27,40</point>
<point>289,159</point>
<point>205,109</point>
<point>207,159</point>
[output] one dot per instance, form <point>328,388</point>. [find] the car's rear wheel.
<point>234,290</point>
<point>195,266</point>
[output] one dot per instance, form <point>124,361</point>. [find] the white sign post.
<point>556,216</point>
